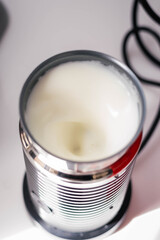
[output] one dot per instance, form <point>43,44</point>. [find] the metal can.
<point>77,200</point>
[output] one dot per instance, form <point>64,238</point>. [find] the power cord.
<point>136,32</point>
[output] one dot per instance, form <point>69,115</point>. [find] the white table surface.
<point>38,29</point>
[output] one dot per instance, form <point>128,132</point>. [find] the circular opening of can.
<point>73,123</point>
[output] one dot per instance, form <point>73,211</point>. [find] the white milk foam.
<point>82,111</point>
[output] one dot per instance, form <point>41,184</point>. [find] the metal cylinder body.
<point>75,206</point>
<point>77,196</point>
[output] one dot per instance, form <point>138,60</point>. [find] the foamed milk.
<point>82,111</point>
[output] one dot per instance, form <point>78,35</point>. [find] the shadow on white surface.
<point>144,230</point>
<point>145,182</point>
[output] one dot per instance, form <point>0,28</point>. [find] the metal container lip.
<point>67,57</point>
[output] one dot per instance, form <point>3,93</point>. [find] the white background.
<point>37,30</point>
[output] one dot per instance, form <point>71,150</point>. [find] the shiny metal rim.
<point>76,56</point>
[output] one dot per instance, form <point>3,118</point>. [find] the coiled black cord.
<point>138,38</point>
<point>125,53</point>
<point>150,12</point>
<point>135,31</point>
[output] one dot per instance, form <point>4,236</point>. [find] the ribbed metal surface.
<point>72,207</point>
<point>76,205</point>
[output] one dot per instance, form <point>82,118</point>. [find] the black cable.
<point>138,38</point>
<point>125,53</point>
<point>150,12</point>
<point>136,30</point>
